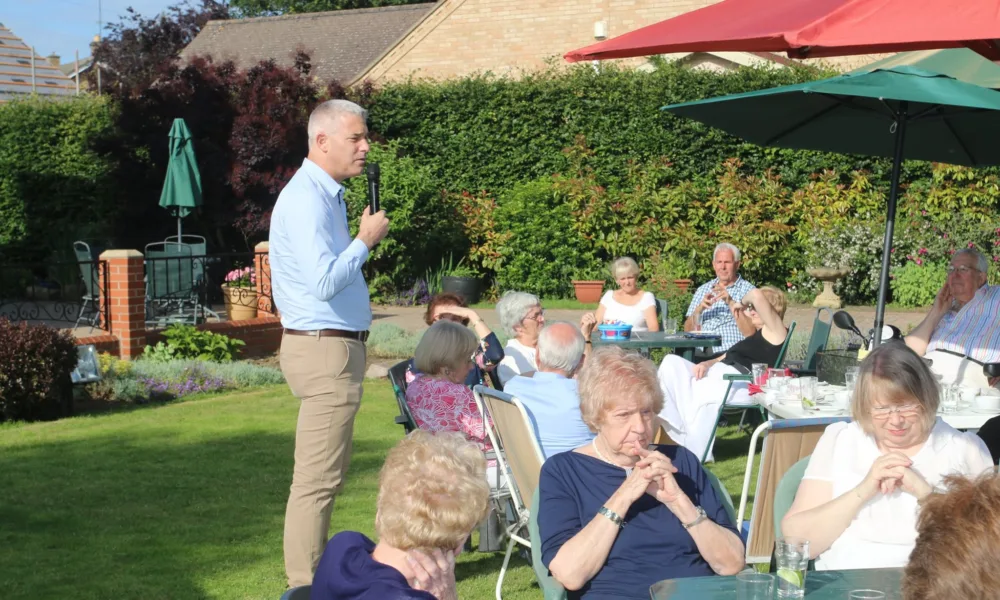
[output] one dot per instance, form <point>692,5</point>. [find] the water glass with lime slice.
<point>792,556</point>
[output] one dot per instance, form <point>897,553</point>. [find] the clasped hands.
<point>890,471</point>
<point>653,475</point>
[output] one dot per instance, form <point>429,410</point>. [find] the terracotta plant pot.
<point>241,303</point>
<point>683,284</point>
<point>588,292</point>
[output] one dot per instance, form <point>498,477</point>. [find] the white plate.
<point>986,411</point>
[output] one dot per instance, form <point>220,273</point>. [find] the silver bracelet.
<point>612,516</point>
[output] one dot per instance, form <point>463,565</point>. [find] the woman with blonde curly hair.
<point>432,494</point>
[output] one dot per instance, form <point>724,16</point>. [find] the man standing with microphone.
<point>325,311</point>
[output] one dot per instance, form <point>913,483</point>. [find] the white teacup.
<point>987,402</point>
<point>969,394</point>
<point>840,399</point>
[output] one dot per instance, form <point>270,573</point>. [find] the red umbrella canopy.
<point>814,28</point>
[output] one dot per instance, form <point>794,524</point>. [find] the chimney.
<point>53,59</point>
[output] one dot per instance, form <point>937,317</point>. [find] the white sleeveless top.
<point>630,315</point>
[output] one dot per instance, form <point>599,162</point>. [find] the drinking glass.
<point>851,377</point>
<point>670,325</point>
<point>866,595</point>
<point>754,586</point>
<point>807,391</point>
<point>792,555</point>
<point>950,396</point>
<point>759,371</point>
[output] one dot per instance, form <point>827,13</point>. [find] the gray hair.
<point>621,265</point>
<point>894,374</point>
<point>727,246</point>
<point>555,353</point>
<point>982,264</point>
<point>513,307</point>
<point>328,111</point>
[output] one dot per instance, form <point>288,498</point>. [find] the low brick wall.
<point>105,343</point>
<point>262,335</point>
<point>128,335</point>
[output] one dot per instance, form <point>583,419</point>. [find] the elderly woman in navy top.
<point>616,517</point>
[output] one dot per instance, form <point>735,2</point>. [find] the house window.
<point>17,80</point>
<point>22,61</point>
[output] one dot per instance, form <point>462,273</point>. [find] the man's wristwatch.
<point>701,517</point>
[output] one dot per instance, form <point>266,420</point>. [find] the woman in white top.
<point>858,501</point>
<point>522,318</point>
<point>628,303</point>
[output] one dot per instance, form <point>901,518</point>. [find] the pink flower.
<point>922,251</point>
<point>920,262</point>
<point>944,235</point>
<point>892,251</point>
<point>971,244</point>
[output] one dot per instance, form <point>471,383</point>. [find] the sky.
<point>64,26</point>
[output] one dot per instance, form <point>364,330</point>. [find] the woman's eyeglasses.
<point>904,410</point>
<point>749,307</point>
<point>534,317</point>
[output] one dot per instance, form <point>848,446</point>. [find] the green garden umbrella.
<point>182,186</point>
<point>895,112</point>
<point>961,63</point>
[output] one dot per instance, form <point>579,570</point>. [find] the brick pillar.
<point>262,267</point>
<point>127,300</point>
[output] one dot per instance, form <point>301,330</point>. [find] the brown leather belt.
<point>361,336</point>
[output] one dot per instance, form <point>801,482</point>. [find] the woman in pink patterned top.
<point>438,399</point>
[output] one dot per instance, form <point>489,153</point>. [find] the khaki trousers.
<point>325,373</point>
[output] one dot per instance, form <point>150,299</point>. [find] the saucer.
<point>986,411</point>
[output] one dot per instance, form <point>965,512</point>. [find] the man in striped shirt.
<point>964,321</point>
<point>717,305</point>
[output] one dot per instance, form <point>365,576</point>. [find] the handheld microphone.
<point>373,184</point>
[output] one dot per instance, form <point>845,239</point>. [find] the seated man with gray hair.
<point>551,395</point>
<point>962,330</point>
<point>717,305</point>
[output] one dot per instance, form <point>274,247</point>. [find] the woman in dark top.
<point>693,392</point>
<point>616,515</point>
<point>452,307</point>
<point>432,493</point>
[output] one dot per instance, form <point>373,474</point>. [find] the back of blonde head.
<point>432,492</point>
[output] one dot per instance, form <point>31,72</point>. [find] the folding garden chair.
<point>91,301</point>
<point>817,343</point>
<point>171,295</point>
<point>519,457</point>
<point>786,442</point>
<point>397,377</point>
<point>747,378</point>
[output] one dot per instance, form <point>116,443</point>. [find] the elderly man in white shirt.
<point>962,330</point>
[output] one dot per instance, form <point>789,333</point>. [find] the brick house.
<point>22,72</point>
<point>341,44</point>
<point>454,38</point>
<point>460,37</point>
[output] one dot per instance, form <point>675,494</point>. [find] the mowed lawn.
<point>187,500</point>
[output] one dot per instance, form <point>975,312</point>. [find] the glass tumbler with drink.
<point>851,378</point>
<point>792,556</point>
<point>759,372</point>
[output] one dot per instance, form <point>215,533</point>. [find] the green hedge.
<point>54,187</point>
<point>488,133</point>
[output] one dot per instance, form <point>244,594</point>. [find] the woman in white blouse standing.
<point>858,501</point>
<point>628,303</point>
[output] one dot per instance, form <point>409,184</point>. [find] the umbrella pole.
<point>178,229</point>
<point>890,222</point>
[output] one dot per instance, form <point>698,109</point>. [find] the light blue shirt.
<point>315,264</point>
<point>553,403</point>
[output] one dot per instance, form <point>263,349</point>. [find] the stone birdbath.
<point>828,298</point>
